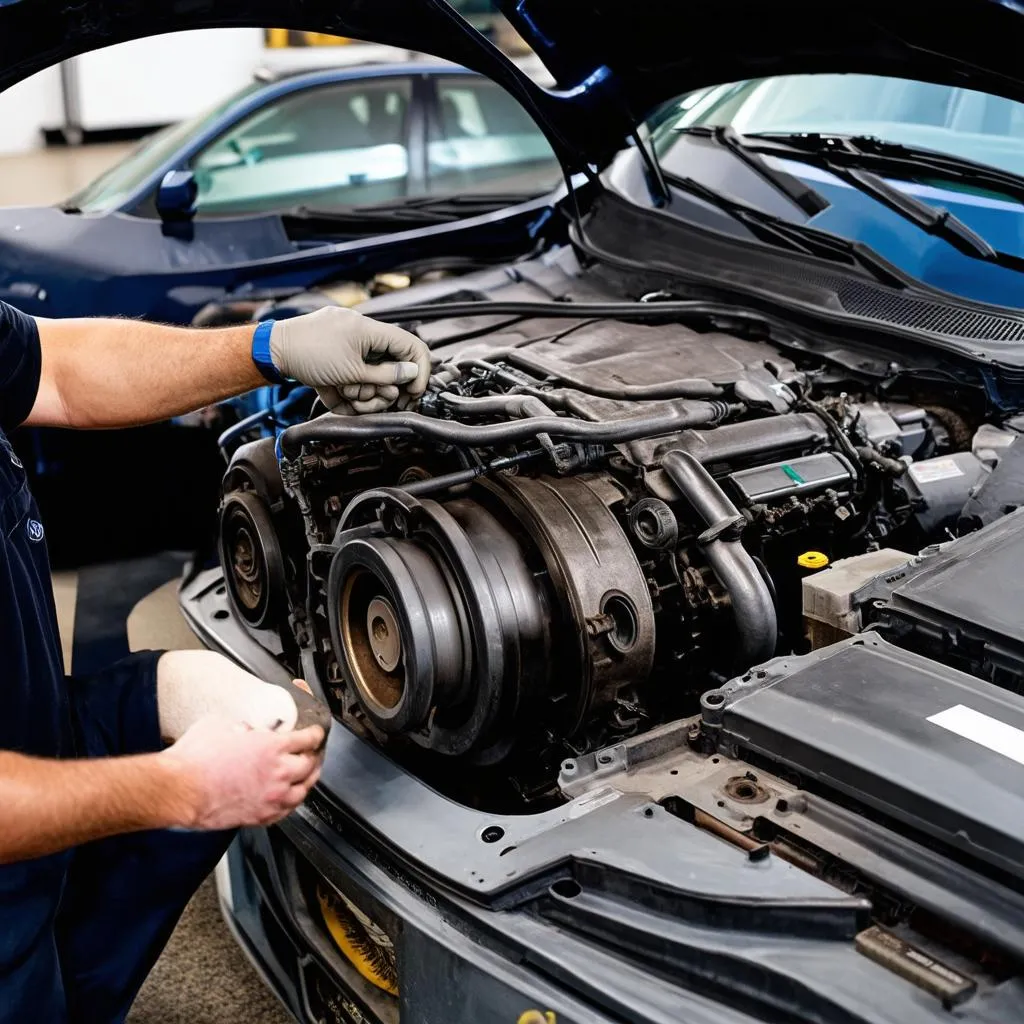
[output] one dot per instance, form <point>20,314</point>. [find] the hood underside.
<point>614,62</point>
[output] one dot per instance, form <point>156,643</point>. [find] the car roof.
<point>360,69</point>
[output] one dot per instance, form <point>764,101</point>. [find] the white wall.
<point>144,82</point>
<point>164,78</point>
<point>25,107</point>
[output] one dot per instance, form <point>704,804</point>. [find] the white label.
<point>987,731</point>
<point>935,469</point>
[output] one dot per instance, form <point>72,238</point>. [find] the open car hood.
<point>614,61</point>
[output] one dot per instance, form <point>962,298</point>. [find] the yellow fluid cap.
<point>812,560</point>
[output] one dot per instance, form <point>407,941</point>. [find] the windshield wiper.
<point>934,220</point>
<point>871,151</point>
<point>846,158</point>
<point>808,199</point>
<point>799,238</point>
<point>417,209</point>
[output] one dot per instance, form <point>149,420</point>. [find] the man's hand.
<point>356,364</point>
<point>232,776</point>
<point>121,373</point>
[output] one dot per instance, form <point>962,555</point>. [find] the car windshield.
<point>960,122</point>
<point>929,177</point>
<point>109,191</point>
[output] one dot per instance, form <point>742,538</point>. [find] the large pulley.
<point>251,555</point>
<point>437,620</point>
<point>444,616</point>
<point>250,550</point>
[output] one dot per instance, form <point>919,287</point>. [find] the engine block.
<point>554,553</point>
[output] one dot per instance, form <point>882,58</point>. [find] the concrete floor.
<point>52,175</point>
<point>202,977</point>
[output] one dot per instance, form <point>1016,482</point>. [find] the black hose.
<point>551,310</point>
<point>837,433</point>
<point>518,406</point>
<point>373,426</point>
<point>870,454</point>
<point>752,605</point>
<point>434,484</point>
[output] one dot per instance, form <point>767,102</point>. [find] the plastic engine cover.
<point>923,744</point>
<point>964,604</point>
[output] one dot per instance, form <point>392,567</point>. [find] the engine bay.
<point>590,521</point>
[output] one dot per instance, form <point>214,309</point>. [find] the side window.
<point>325,146</point>
<point>482,140</point>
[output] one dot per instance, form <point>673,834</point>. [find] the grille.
<point>874,303</point>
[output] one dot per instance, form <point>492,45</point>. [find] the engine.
<point>574,536</point>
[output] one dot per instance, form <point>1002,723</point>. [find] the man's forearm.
<point>49,805</point>
<point>117,373</point>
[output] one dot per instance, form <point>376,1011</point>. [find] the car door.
<point>329,145</point>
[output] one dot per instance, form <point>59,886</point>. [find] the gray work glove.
<point>356,365</point>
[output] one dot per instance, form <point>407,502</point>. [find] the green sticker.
<point>793,475</point>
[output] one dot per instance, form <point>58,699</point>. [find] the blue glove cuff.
<point>261,353</point>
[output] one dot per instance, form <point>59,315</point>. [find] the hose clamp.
<point>725,529</point>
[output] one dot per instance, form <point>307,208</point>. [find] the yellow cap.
<point>812,560</point>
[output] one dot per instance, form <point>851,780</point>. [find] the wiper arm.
<point>934,220</point>
<point>841,156</point>
<point>870,151</point>
<point>798,238</point>
<point>418,209</point>
<point>808,199</point>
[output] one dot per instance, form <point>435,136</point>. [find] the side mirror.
<point>176,197</point>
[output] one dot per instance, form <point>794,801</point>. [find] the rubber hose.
<point>752,605</point>
<point>373,426</point>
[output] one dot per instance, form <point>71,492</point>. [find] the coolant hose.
<point>372,426</point>
<point>752,605</point>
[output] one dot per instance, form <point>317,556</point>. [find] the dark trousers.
<point>121,896</point>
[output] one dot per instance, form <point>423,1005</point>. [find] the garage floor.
<point>51,175</point>
<point>203,977</point>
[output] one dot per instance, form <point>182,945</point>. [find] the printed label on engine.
<point>935,469</point>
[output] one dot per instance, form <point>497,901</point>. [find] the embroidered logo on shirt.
<point>34,529</point>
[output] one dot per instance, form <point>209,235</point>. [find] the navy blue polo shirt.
<point>79,930</point>
<point>35,712</point>
<point>35,716</point>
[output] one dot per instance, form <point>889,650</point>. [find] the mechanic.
<point>118,793</point>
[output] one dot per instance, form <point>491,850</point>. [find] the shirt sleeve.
<point>20,361</point>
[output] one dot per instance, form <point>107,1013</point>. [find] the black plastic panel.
<point>859,718</point>
<point>966,600</point>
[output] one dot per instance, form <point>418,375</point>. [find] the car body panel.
<point>123,262</point>
<point>119,272</point>
<point>699,908</point>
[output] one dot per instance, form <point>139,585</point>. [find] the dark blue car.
<point>599,753</point>
<point>355,180</point>
<point>275,188</point>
